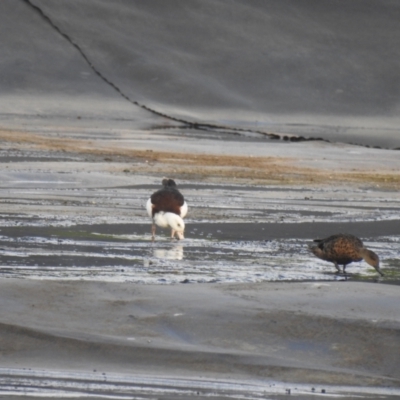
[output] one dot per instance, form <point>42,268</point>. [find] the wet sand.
<point>91,306</point>
<point>317,334</point>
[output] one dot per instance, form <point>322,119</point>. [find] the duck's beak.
<point>179,235</point>
<point>379,271</point>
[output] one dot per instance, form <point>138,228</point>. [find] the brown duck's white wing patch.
<point>184,210</point>
<point>149,208</point>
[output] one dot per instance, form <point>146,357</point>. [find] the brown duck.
<point>343,249</point>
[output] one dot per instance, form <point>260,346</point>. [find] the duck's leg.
<point>153,230</point>
<point>344,268</point>
<point>337,267</point>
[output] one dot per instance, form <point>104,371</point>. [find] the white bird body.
<point>170,220</point>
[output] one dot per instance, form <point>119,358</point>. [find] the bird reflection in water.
<point>174,253</point>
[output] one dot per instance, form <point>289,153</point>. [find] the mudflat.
<point>316,333</point>
<point>91,305</point>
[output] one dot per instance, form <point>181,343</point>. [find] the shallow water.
<point>235,234</point>
<point>135,258</point>
<point>66,216</point>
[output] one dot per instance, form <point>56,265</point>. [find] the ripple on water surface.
<point>136,258</point>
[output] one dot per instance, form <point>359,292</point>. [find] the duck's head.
<point>176,224</point>
<point>372,259</point>
<point>166,182</point>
